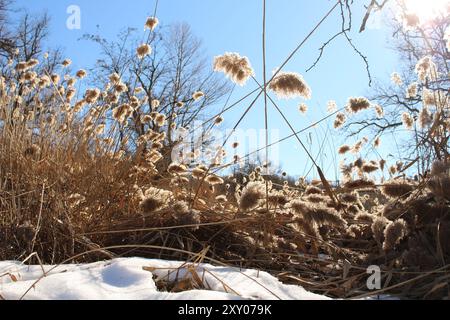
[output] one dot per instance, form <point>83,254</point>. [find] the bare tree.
<point>6,43</point>
<point>22,38</point>
<point>25,39</point>
<point>31,32</point>
<point>176,68</point>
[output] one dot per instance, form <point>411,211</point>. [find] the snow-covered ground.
<point>134,278</point>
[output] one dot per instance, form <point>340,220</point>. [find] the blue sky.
<point>235,25</point>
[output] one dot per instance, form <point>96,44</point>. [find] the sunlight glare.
<point>427,10</point>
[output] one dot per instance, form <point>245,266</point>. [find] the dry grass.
<point>74,180</point>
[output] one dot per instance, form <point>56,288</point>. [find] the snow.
<point>126,279</point>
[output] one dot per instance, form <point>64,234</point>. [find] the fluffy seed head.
<point>364,216</point>
<point>411,91</point>
<point>396,79</point>
<point>81,74</point>
<point>122,112</point>
<point>114,78</point>
<point>214,180</point>
<point>153,199</point>
<point>199,172</point>
<point>299,207</point>
<point>151,23</point>
<point>66,62</point>
<point>325,216</point>
<point>369,167</point>
<point>32,63</point>
<point>143,50</point>
<point>344,149</point>
<point>120,87</point>
<point>429,97</point>
<point>176,168</point>
<point>251,195</point>
<point>425,117</point>
<point>71,82</point>
<point>287,85</point>
<point>160,120</point>
<point>397,188</point>
<point>218,120</point>
<point>237,68</point>
<point>357,104</point>
<point>359,184</point>
<point>22,66</point>
<point>408,120</point>
<point>198,95</point>
<point>44,81</point>
<point>155,104</point>
<point>379,111</point>
<point>382,164</point>
<point>303,108</point>
<point>410,21</point>
<point>340,120</point>
<point>55,78</point>
<point>377,142</point>
<point>378,226</point>
<point>184,216</point>
<point>349,197</point>
<point>425,68</point>
<point>331,106</point>
<point>70,94</point>
<point>313,190</point>
<point>29,76</point>
<point>91,95</point>
<point>394,233</point>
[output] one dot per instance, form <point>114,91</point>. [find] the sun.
<point>427,10</point>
